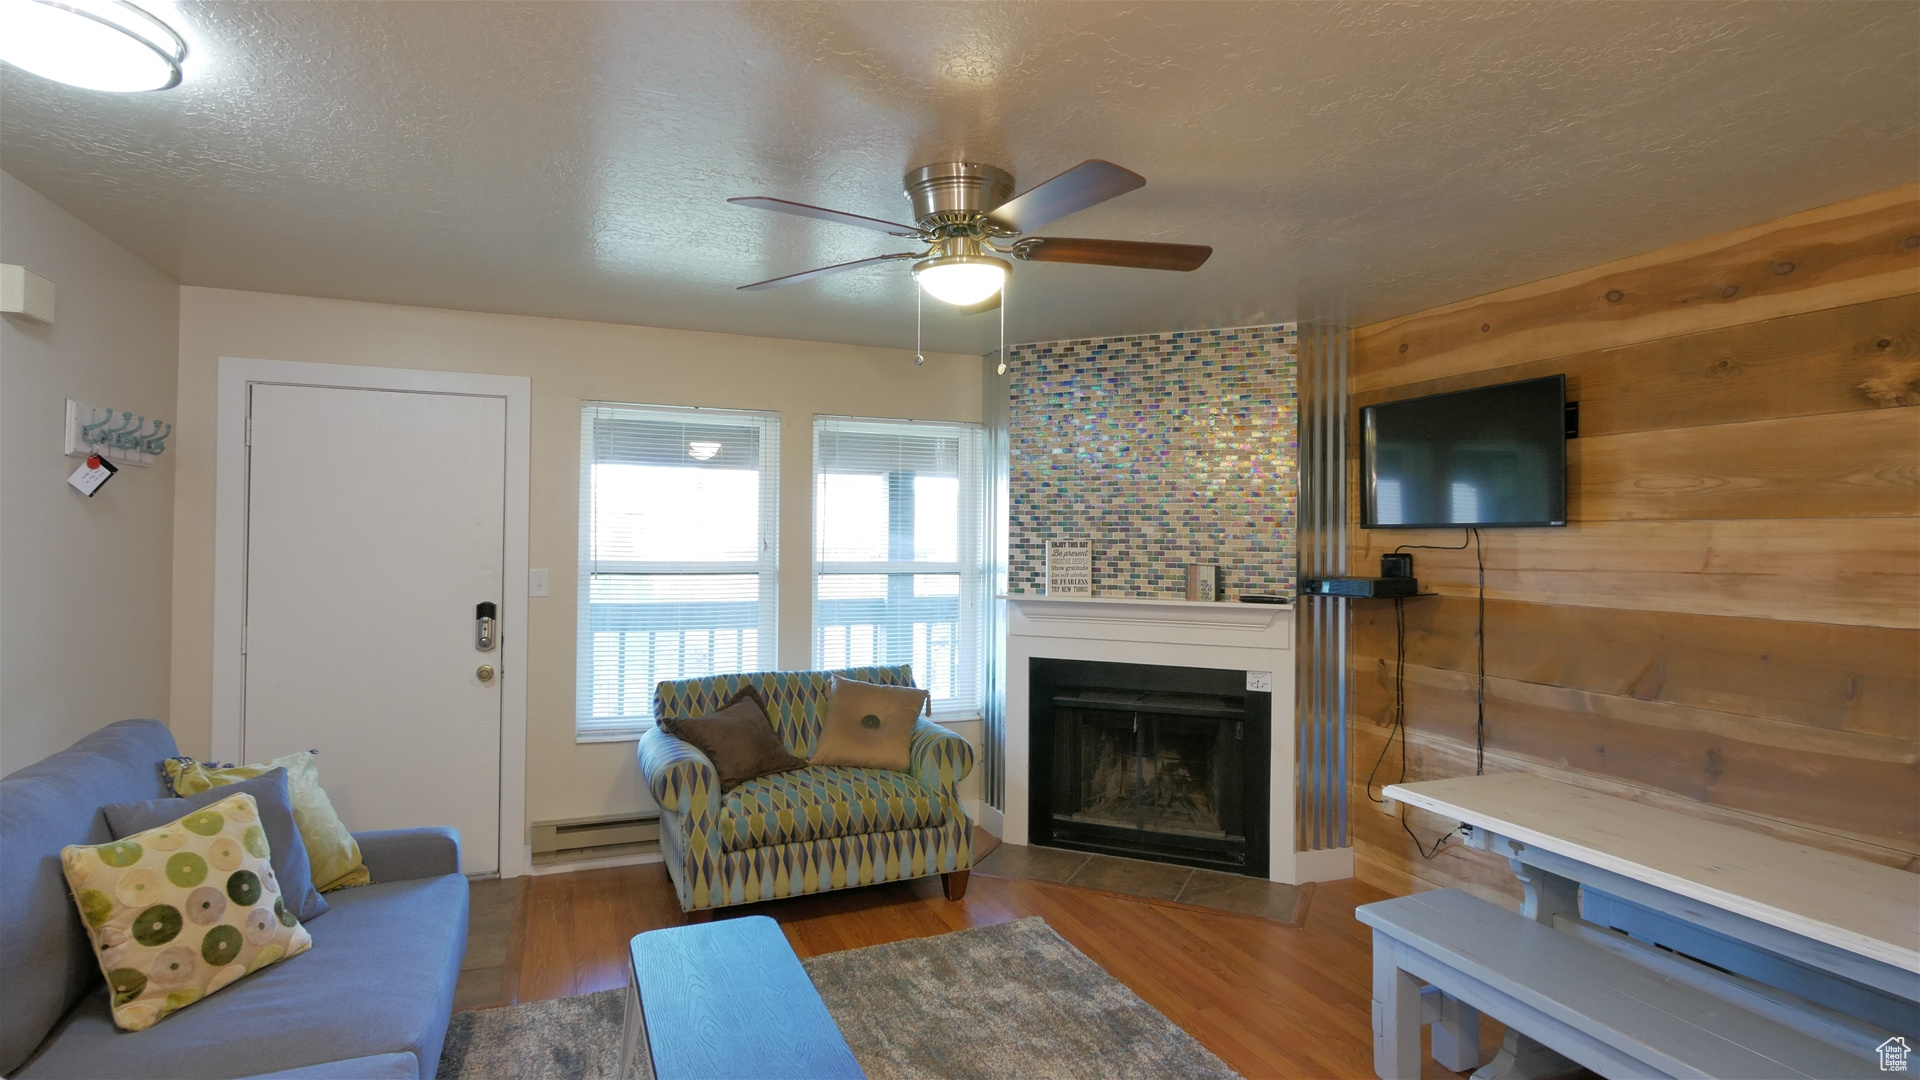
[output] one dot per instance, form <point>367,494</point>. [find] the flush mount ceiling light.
<point>94,44</point>
<point>702,451</point>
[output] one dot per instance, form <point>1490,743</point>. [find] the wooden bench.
<point>729,998</point>
<point>1591,1004</point>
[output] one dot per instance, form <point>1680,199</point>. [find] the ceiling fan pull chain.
<point>918,356</point>
<point>1002,370</point>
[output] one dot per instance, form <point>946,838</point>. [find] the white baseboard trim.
<point>1330,864</point>
<point>989,819</point>
<point>983,815</point>
<point>568,866</point>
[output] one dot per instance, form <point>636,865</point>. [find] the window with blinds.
<point>678,542</point>
<point>897,552</point>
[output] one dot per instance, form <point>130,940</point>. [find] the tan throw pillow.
<point>177,912</point>
<point>738,739</point>
<point>868,725</point>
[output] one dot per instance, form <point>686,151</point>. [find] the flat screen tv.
<point>1494,457</point>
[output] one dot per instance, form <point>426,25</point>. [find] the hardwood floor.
<point>1272,1001</point>
<point>493,912</point>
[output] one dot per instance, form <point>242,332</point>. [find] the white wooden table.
<point>1820,940</point>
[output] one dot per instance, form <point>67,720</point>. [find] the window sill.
<point>628,736</point>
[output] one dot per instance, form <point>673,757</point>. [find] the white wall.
<point>568,362</point>
<point>85,584</point>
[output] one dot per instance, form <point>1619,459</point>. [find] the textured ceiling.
<point>1358,159</point>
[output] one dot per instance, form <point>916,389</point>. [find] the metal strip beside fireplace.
<point>1145,760</point>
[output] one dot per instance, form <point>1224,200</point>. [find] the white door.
<point>375,526</point>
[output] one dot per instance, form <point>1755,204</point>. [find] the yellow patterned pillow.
<point>332,850</point>
<point>180,911</point>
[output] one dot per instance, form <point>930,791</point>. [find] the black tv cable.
<point>1398,727</point>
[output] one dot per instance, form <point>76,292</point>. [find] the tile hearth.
<point>1233,893</point>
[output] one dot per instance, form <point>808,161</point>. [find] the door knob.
<point>485,671</point>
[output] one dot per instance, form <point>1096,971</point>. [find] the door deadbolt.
<point>485,671</point>
<point>486,618</point>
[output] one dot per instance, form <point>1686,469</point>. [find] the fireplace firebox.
<point>1143,760</point>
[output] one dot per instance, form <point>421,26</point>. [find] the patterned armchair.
<point>811,830</point>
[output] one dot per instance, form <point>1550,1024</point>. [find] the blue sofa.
<point>371,999</point>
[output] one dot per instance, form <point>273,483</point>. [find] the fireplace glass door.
<point>1158,763</point>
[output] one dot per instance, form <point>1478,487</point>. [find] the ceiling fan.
<point>963,215</point>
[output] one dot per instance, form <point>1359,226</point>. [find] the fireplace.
<point>1231,647</point>
<point>1151,761</point>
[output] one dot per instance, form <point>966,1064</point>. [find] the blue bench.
<point>729,998</point>
<point>1595,1005</point>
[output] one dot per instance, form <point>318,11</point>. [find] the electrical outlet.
<point>536,583</point>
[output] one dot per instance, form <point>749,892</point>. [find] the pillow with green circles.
<point>177,912</point>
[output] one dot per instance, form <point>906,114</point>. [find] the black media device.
<point>1396,564</point>
<point>1495,457</point>
<point>1362,588</point>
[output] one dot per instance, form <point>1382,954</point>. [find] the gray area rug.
<point>539,1040</point>
<point>993,1002</point>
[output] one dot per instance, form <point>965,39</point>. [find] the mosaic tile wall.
<point>1164,450</point>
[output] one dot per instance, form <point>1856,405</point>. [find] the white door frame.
<point>230,555</point>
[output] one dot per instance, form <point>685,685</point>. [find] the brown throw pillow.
<point>868,725</point>
<point>738,739</point>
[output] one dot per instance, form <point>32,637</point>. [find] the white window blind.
<point>678,542</point>
<point>897,552</point>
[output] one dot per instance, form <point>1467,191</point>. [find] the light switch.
<point>1260,681</point>
<point>536,583</point>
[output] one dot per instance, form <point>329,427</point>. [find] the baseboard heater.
<point>571,835</point>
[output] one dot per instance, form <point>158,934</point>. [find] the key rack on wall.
<point>122,437</point>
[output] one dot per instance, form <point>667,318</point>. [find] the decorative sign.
<point>90,477</point>
<point>1069,568</point>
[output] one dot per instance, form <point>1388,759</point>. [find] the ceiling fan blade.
<point>991,303</point>
<point>1134,253</point>
<point>1086,184</point>
<point>823,271</point>
<point>761,202</point>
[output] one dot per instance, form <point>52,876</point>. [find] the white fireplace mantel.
<point>1256,638</point>
<point>1114,618</point>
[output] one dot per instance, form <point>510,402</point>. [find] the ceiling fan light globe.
<point>92,44</point>
<point>962,280</point>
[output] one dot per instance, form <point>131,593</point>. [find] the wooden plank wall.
<point>1730,623</point>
